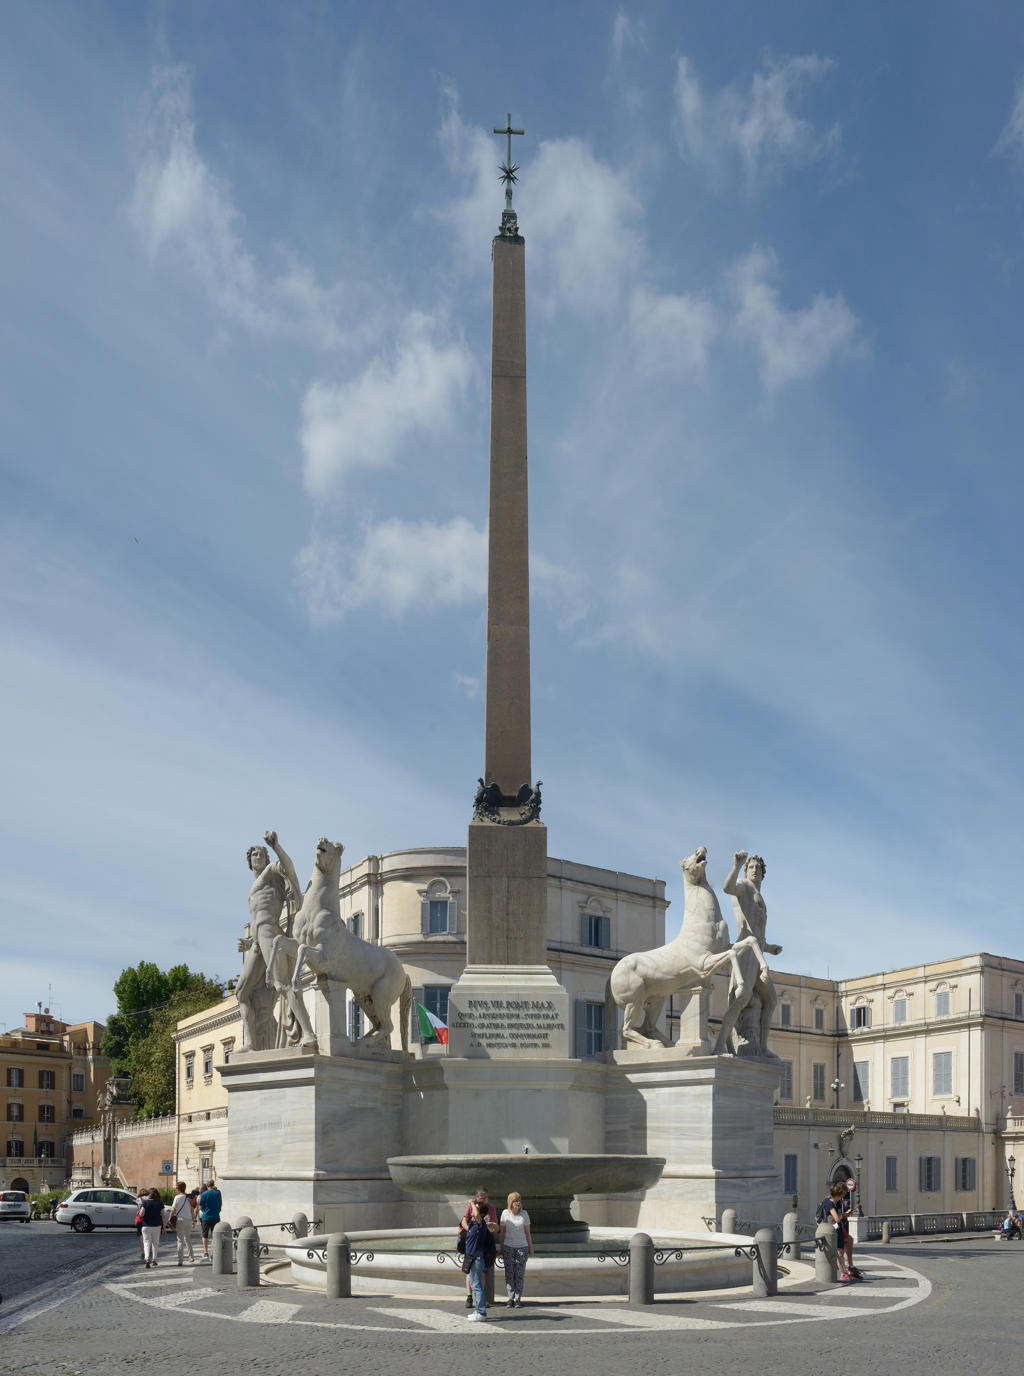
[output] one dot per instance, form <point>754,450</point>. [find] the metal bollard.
<point>791,1234</point>
<point>300,1225</point>
<point>223,1249</point>
<point>339,1267</point>
<point>641,1270</point>
<point>728,1220</point>
<point>885,1230</point>
<point>766,1263</point>
<point>825,1264</point>
<point>247,1259</point>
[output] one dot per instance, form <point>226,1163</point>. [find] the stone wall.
<point>143,1145</point>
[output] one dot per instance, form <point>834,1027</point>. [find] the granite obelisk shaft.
<point>507,725</point>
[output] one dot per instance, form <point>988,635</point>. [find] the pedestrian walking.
<point>210,1203</point>
<point>481,1197</point>
<point>181,1223</point>
<point>153,1226</point>
<point>516,1245</point>
<point>140,1198</point>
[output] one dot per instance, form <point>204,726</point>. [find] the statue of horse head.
<point>328,856</point>
<point>694,865</point>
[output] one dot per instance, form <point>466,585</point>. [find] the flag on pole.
<point>431,1029</point>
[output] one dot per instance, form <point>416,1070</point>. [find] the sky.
<point>775,322</point>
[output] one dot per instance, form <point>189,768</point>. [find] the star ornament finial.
<point>508,175</point>
<point>508,169</point>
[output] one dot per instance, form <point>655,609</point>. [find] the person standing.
<point>836,1210</point>
<point>516,1247</point>
<point>152,1226</point>
<point>482,1198</point>
<point>140,1198</point>
<point>181,1223</point>
<point>480,1253</point>
<point>210,1203</point>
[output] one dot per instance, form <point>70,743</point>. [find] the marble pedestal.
<point>313,1133</point>
<point>711,1118</point>
<point>503,1014</point>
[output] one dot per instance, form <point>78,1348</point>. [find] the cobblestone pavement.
<point>922,1308</point>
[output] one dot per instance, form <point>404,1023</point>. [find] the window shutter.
<point>922,1174</point>
<point>414,1030</point>
<point>425,917</point>
<point>581,1028</point>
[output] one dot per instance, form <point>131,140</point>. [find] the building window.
<point>46,1149</point>
<point>435,1000</point>
<point>355,1021</point>
<point>355,924</point>
<point>964,1173</point>
<point>77,1083</point>
<point>227,1050</point>
<point>190,1069</point>
<point>899,1010</point>
<point>899,1077</point>
<point>15,1113</point>
<point>861,1081</point>
<point>15,1146</point>
<point>207,1062</point>
<point>929,1174</point>
<point>437,909</point>
<point>1018,1072</point>
<point>1018,1005</point>
<point>789,1173</point>
<point>860,1016</point>
<point>15,1077</point>
<point>786,1020</point>
<point>942,1073</point>
<point>595,930</point>
<point>78,1111</point>
<point>818,1073</point>
<point>47,1113</point>
<point>590,1038</point>
<point>819,1019</point>
<point>47,1079</point>
<point>892,1174</point>
<point>942,1004</point>
<point>786,1080</point>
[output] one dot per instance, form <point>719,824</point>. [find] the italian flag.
<point>431,1029</point>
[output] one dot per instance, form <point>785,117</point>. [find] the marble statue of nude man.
<point>755,991</point>
<point>267,897</point>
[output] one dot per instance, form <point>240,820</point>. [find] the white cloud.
<point>364,421</point>
<point>626,32</point>
<point>401,565</point>
<point>179,205</point>
<point>579,214</point>
<point>790,345</point>
<point>673,332</point>
<point>474,155</point>
<point>1011,140</point>
<point>758,127</point>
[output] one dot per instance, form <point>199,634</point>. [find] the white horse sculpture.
<point>323,942</point>
<point>641,983</point>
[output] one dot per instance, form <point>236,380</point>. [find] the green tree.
<point>138,1036</point>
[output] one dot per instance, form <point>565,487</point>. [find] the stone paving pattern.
<point>83,1306</point>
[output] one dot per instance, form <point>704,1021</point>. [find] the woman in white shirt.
<point>516,1247</point>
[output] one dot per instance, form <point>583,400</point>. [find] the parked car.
<point>88,1209</point>
<point>14,1204</point>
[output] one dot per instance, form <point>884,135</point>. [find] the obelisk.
<point>507,1001</point>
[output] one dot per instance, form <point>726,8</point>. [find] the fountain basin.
<point>548,1182</point>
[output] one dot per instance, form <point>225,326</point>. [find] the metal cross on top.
<point>508,167</point>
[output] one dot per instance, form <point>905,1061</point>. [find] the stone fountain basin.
<point>547,1181</point>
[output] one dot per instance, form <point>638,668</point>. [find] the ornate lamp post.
<point>858,1162</point>
<point>1010,1164</point>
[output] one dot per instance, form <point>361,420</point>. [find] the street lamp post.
<point>1010,1164</point>
<point>858,1162</point>
<point>835,1087</point>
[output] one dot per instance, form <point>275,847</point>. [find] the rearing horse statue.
<point>641,983</point>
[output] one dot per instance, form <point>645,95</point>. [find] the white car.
<point>14,1204</point>
<point>101,1208</point>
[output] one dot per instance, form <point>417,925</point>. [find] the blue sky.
<point>775,265</point>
